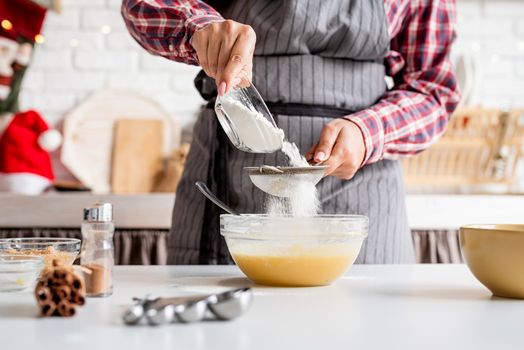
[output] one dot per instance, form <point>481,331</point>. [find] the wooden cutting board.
<point>137,155</point>
<point>89,131</point>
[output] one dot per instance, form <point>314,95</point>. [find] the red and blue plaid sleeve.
<point>414,114</point>
<point>165,27</point>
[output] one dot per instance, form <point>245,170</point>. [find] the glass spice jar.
<point>97,254</point>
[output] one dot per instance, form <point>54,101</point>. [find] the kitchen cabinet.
<point>371,307</point>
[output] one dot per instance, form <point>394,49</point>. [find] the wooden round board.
<point>89,129</point>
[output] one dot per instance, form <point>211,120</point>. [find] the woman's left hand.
<point>341,147</point>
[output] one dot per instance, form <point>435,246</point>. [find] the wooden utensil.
<point>137,155</point>
<point>174,169</point>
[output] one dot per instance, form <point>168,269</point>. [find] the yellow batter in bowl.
<point>294,252</point>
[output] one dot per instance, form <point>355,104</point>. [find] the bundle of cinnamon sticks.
<point>59,291</point>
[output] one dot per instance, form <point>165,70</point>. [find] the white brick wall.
<point>94,19</point>
<point>78,59</point>
<point>492,31</point>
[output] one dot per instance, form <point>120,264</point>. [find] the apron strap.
<point>206,86</point>
<point>306,110</point>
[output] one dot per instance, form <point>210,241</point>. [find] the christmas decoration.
<point>25,165</point>
<point>25,138</point>
<point>59,291</point>
<point>8,51</point>
<point>20,25</point>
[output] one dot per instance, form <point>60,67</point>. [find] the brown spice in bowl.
<point>49,254</point>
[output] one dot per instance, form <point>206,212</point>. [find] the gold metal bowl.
<point>495,255</point>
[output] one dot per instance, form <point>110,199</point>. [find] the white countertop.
<point>372,307</point>
<point>63,210</point>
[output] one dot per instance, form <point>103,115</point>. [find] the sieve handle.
<point>211,196</point>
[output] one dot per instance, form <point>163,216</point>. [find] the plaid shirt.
<point>406,120</point>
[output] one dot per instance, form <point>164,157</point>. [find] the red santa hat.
<point>20,24</point>
<point>21,19</point>
<point>24,145</point>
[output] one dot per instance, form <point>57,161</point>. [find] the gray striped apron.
<point>314,60</point>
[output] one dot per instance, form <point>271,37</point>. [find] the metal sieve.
<point>283,181</point>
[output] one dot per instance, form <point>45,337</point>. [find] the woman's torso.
<point>308,52</point>
<point>317,52</point>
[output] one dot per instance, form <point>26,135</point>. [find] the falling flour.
<point>304,198</point>
<point>254,130</point>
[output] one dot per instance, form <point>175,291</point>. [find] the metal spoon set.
<point>222,306</point>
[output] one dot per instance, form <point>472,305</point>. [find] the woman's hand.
<point>225,52</point>
<point>341,147</point>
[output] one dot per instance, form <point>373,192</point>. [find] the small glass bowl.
<point>243,133</point>
<point>19,272</point>
<point>294,251</point>
<point>64,250</point>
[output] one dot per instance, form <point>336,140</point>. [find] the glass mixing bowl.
<point>294,251</point>
<point>19,272</point>
<point>64,250</point>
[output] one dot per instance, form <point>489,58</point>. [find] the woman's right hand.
<point>225,52</point>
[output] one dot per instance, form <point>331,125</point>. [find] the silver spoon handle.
<point>211,196</point>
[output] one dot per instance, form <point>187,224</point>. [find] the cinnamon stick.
<point>43,295</point>
<point>48,309</point>
<point>65,308</point>
<point>63,291</point>
<point>77,298</point>
<point>59,291</point>
<point>77,283</point>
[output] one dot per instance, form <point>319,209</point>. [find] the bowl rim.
<point>317,238</point>
<point>360,232</point>
<point>323,216</point>
<point>260,170</point>
<point>511,228</point>
<point>32,241</point>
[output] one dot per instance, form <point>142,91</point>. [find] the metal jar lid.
<point>99,212</point>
